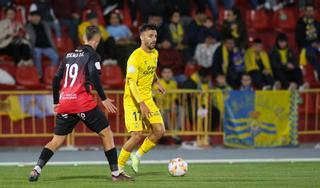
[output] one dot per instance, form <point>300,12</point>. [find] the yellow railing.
<point>186,113</point>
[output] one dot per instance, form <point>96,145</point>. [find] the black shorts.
<point>94,119</point>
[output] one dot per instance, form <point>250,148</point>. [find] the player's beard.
<point>151,45</point>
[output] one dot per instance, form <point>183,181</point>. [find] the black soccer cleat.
<point>122,177</point>
<point>34,175</point>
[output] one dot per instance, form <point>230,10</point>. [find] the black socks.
<point>112,159</point>
<point>45,156</point>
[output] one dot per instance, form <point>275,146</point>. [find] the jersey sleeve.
<point>56,82</point>
<point>133,68</point>
<point>132,76</point>
<point>94,69</point>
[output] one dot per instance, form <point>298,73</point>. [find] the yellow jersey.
<point>141,68</point>
<point>165,101</point>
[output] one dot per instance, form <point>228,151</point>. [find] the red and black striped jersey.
<point>78,73</point>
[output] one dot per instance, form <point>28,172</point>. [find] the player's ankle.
<point>116,172</point>
<point>138,155</point>
<point>37,168</point>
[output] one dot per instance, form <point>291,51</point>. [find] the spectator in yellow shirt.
<point>168,102</point>
<point>106,47</point>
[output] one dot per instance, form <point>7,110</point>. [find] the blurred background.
<point>239,73</point>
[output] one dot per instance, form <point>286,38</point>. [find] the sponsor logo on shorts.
<point>82,115</point>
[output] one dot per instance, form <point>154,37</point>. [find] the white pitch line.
<point>228,161</point>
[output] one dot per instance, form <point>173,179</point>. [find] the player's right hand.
<point>111,108</point>
<point>145,111</point>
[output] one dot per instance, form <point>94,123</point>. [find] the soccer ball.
<point>177,167</point>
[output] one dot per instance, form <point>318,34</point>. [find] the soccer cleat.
<point>122,177</point>
<point>34,175</point>
<point>135,163</point>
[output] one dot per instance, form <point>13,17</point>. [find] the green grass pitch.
<point>260,175</point>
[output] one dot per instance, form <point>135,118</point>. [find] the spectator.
<point>197,30</point>
<point>313,56</point>
<point>204,51</point>
<point>271,4</point>
<point>308,28</point>
<point>69,16</point>
<point>235,27</point>
<point>284,63</point>
<point>168,103</point>
<point>221,83</point>
<point>176,30</point>
<point>228,4</point>
<point>164,40</point>
<point>47,14</point>
<point>41,41</point>
<point>148,8</point>
<point>106,47</point>
<point>12,39</point>
<point>228,60</point>
<point>120,32</point>
<point>246,82</point>
<point>183,7</point>
<point>203,79</point>
<point>258,65</point>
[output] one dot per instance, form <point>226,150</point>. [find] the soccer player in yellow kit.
<point>141,113</point>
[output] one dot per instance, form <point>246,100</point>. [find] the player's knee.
<point>106,133</point>
<point>55,143</point>
<point>137,136</point>
<point>159,133</point>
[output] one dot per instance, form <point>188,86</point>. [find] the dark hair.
<point>200,11</point>
<point>171,13</point>
<point>236,12</point>
<point>309,5</point>
<point>228,37</point>
<point>203,72</point>
<point>91,15</point>
<point>147,27</point>
<point>91,31</point>
<point>6,9</point>
<point>281,38</point>
<point>257,41</point>
<point>245,74</point>
<point>165,67</point>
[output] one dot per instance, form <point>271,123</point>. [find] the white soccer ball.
<point>177,167</point>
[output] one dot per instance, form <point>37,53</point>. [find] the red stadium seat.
<point>64,45</point>
<point>257,20</point>
<point>9,67</point>
<point>112,77</point>
<point>173,59</point>
<point>7,64</point>
<point>126,15</point>
<point>27,76</point>
<point>49,73</point>
<point>23,2</point>
<point>284,20</point>
<point>310,76</point>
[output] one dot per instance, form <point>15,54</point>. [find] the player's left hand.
<point>55,106</point>
<point>111,108</point>
<point>161,89</point>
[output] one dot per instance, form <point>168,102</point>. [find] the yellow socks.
<point>123,158</point>
<point>146,146</point>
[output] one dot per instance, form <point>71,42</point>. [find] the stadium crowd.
<point>202,44</point>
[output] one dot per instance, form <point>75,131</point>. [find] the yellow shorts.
<point>134,121</point>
